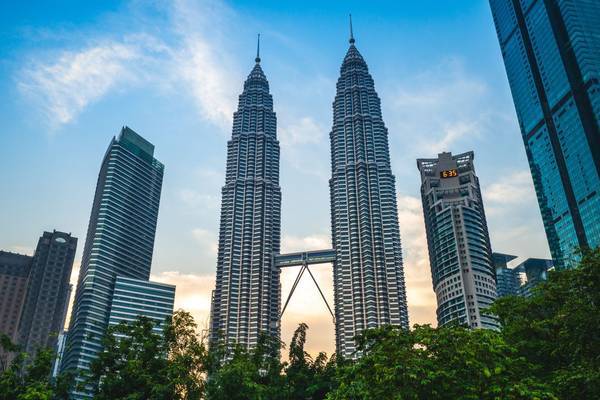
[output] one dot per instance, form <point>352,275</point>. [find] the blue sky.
<point>72,73</point>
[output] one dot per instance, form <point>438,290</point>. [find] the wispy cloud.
<point>438,108</point>
<point>207,239</point>
<point>192,293</point>
<point>513,188</point>
<point>193,59</point>
<point>290,243</point>
<point>64,87</point>
<point>420,296</point>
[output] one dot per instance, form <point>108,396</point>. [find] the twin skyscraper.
<point>369,289</point>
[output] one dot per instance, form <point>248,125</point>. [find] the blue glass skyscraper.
<point>368,274</point>
<point>246,299</point>
<point>119,242</point>
<point>551,51</point>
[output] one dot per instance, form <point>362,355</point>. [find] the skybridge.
<point>303,259</point>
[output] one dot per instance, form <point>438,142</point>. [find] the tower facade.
<point>369,289</point>
<point>14,278</point>
<point>120,241</point>
<point>246,299</point>
<point>551,51</point>
<point>460,254</point>
<point>48,291</point>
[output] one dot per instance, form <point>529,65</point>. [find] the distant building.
<point>60,351</point>
<point>551,51</point>
<point>48,291</point>
<point>507,279</point>
<point>521,279</point>
<point>119,242</point>
<point>14,277</point>
<point>460,254</point>
<point>536,271</point>
<point>135,297</point>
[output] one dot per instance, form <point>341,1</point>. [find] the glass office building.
<point>368,274</point>
<point>120,241</point>
<point>551,50</point>
<point>460,255</point>
<point>246,299</point>
<point>133,298</point>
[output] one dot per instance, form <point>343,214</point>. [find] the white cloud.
<point>290,243</point>
<point>192,293</point>
<point>438,108</point>
<point>512,188</point>
<point>303,131</point>
<point>207,239</point>
<point>67,85</point>
<point>199,201</point>
<point>203,59</point>
<point>194,61</point>
<point>420,297</point>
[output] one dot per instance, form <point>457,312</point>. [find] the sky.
<point>73,73</point>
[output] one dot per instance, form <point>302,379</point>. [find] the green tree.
<point>29,379</point>
<point>307,378</point>
<point>558,328</point>
<point>444,363</point>
<point>139,363</point>
<point>240,374</point>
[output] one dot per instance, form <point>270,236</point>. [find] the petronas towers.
<point>247,295</point>
<point>369,288</point>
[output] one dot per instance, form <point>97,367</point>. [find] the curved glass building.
<point>460,255</point>
<point>120,241</point>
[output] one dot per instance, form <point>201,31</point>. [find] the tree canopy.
<point>548,348</point>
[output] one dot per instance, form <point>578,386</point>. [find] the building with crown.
<point>368,275</point>
<point>460,255</point>
<point>246,299</point>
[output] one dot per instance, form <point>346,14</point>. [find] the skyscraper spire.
<point>351,32</point>
<point>246,300</point>
<point>368,273</point>
<point>257,59</point>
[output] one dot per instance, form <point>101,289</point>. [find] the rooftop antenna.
<point>351,32</point>
<point>257,59</point>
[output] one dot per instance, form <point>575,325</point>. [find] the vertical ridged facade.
<point>368,275</point>
<point>48,292</point>
<point>246,299</point>
<point>120,241</point>
<point>458,241</point>
<point>551,50</point>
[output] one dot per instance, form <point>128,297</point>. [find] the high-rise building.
<point>246,299</point>
<point>551,51</point>
<point>119,242</point>
<point>535,271</point>
<point>48,292</point>
<point>133,298</point>
<point>14,277</point>
<point>368,275</point>
<point>507,279</point>
<point>460,254</point>
<point>522,278</point>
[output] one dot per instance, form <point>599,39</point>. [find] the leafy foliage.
<point>444,363</point>
<point>558,328</point>
<point>138,363</point>
<point>29,379</point>
<point>549,348</point>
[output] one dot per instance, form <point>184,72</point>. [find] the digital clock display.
<point>450,173</point>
